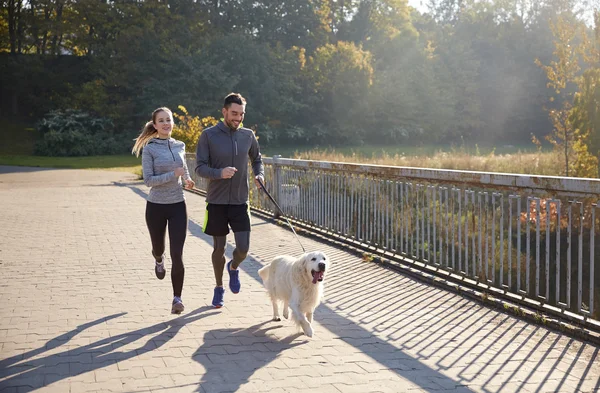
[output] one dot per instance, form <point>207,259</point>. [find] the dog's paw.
<point>276,319</point>
<point>308,331</point>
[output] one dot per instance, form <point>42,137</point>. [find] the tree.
<point>585,115</point>
<point>291,23</point>
<point>465,69</point>
<point>188,128</point>
<point>445,11</point>
<point>337,77</point>
<point>382,27</point>
<point>14,12</point>
<point>562,74</point>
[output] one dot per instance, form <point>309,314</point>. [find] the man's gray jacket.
<point>220,147</point>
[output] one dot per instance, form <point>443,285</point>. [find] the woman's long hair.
<point>149,132</point>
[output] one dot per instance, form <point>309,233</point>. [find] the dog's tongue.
<point>317,276</point>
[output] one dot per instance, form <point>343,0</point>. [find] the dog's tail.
<point>263,272</point>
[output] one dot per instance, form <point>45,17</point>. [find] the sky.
<point>588,16</point>
<point>417,4</point>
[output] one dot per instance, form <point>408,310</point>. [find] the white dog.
<point>298,283</point>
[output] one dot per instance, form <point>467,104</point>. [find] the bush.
<point>76,133</point>
<point>189,128</point>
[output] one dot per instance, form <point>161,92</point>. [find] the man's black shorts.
<point>218,219</point>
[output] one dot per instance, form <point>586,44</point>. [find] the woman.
<point>163,167</point>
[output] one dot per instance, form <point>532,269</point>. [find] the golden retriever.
<point>298,283</point>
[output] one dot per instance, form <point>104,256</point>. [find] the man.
<point>222,156</point>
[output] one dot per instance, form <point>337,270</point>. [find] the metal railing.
<point>531,237</point>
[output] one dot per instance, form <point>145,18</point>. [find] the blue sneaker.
<point>217,301</point>
<point>234,279</point>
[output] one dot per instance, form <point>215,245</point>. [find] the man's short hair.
<point>234,98</point>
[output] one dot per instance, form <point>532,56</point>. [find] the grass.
<point>377,151</point>
<point>20,138</point>
<point>538,163</point>
<point>534,163</point>
<point>17,138</point>
<point>17,150</point>
<point>126,163</point>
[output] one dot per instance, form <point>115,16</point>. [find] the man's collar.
<point>222,120</point>
<point>223,127</point>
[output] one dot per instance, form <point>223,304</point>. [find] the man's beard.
<point>231,125</point>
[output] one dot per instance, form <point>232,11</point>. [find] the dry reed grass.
<point>537,163</point>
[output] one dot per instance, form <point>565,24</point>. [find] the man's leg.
<point>215,225</point>
<point>242,245</point>
<point>239,219</point>
<point>218,261</point>
<point>218,258</point>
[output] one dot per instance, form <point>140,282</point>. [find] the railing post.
<point>276,177</point>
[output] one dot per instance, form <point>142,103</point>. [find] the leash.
<point>280,212</point>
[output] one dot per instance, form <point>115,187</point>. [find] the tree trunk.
<point>46,32</point>
<point>19,25</point>
<point>216,17</point>
<point>89,50</point>
<point>566,152</point>
<point>57,29</point>
<point>12,28</point>
<point>35,28</point>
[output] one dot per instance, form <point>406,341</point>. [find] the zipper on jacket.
<point>234,153</point>
<point>169,144</point>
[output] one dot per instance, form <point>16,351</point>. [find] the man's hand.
<point>227,173</point>
<point>262,179</point>
<point>189,184</point>
<point>179,171</point>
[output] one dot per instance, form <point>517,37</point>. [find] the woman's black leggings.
<point>157,217</point>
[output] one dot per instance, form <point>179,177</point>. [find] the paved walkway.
<point>82,311</point>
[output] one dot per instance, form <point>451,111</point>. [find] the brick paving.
<point>83,312</point>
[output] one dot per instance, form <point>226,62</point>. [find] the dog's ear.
<point>303,260</point>
<point>299,267</point>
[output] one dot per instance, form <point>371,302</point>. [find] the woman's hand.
<point>189,184</point>
<point>179,172</point>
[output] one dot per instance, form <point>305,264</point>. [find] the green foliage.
<point>32,85</point>
<point>562,72</point>
<point>72,120</point>
<point>586,109</point>
<point>75,133</point>
<point>585,116</point>
<point>290,23</point>
<point>336,79</point>
<point>17,139</point>
<point>313,71</point>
